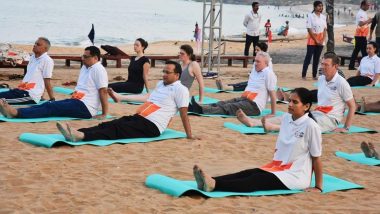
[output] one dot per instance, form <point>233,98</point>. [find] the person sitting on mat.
<point>333,94</point>
<point>190,70</point>
<point>150,120</point>
<point>90,93</point>
<point>138,71</point>
<point>261,46</point>
<point>262,83</point>
<point>36,79</point>
<point>369,150</point>
<point>369,70</point>
<point>296,157</point>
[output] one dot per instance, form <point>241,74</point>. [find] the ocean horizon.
<point>67,23</point>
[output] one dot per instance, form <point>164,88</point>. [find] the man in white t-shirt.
<point>334,93</point>
<point>361,33</point>
<point>150,120</point>
<point>89,97</point>
<point>252,23</point>
<point>261,85</point>
<point>36,79</point>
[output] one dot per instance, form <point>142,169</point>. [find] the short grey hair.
<point>47,42</point>
<point>265,55</point>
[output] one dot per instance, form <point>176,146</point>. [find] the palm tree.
<point>330,25</point>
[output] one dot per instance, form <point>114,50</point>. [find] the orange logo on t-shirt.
<point>77,95</point>
<point>324,109</point>
<point>147,108</point>
<point>362,31</point>
<point>26,86</point>
<point>249,95</point>
<point>275,166</point>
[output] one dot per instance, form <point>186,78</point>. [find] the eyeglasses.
<point>86,56</point>
<point>167,72</point>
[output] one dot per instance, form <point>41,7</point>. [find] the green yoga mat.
<point>263,113</point>
<point>39,120</point>
<point>358,158</point>
<point>376,86</point>
<point>260,130</point>
<point>50,140</point>
<point>179,188</point>
<point>215,90</point>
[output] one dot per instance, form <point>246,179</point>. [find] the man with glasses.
<point>36,79</point>
<point>150,120</point>
<point>90,94</point>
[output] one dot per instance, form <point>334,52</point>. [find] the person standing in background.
<point>252,23</point>
<point>362,30</point>
<point>376,23</point>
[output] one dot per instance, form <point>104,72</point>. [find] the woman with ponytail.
<point>297,155</point>
<point>190,69</point>
<point>138,71</point>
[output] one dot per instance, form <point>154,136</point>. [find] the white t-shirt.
<point>164,102</point>
<point>369,66</point>
<point>317,24</point>
<point>90,80</point>
<point>333,95</point>
<point>38,69</point>
<point>361,17</point>
<point>252,23</point>
<point>259,85</point>
<point>297,142</point>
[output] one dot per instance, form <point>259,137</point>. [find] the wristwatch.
<point>347,128</point>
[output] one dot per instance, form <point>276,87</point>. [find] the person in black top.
<point>138,70</point>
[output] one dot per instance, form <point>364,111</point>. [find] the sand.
<point>89,179</point>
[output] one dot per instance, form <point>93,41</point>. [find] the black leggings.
<point>315,52</point>
<point>125,127</point>
<point>360,46</point>
<point>239,86</point>
<point>248,181</point>
<point>359,81</point>
<point>127,87</point>
<point>248,41</point>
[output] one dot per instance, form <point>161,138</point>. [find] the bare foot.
<point>373,151</point>
<point>74,134</point>
<point>243,118</point>
<point>280,94</point>
<point>208,181</point>
<point>219,84</point>
<point>7,110</point>
<point>366,150</point>
<point>115,96</point>
<point>198,177</point>
<point>268,127</point>
<point>64,132</point>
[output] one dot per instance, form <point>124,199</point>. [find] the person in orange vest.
<point>362,30</point>
<point>267,26</point>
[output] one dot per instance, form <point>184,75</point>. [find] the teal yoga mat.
<point>69,91</point>
<point>215,90</point>
<point>4,89</point>
<point>39,120</point>
<point>50,140</point>
<point>263,113</point>
<point>358,158</point>
<point>367,113</point>
<point>179,188</point>
<point>260,130</point>
<point>376,86</point>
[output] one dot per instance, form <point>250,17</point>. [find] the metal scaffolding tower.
<point>211,31</point>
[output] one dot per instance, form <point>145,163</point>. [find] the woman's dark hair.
<point>306,97</point>
<point>94,51</point>
<point>143,43</point>
<point>374,46</point>
<point>315,4</point>
<point>263,46</point>
<point>189,51</point>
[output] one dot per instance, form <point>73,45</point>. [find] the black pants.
<point>314,95</point>
<point>127,87</point>
<point>239,86</point>
<point>125,127</point>
<point>359,81</point>
<point>248,181</point>
<point>360,46</point>
<point>248,40</point>
<point>315,52</point>
<point>378,45</point>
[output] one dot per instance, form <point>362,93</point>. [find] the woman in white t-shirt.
<point>369,69</point>
<point>297,156</point>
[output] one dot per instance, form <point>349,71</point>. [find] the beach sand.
<point>89,179</point>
